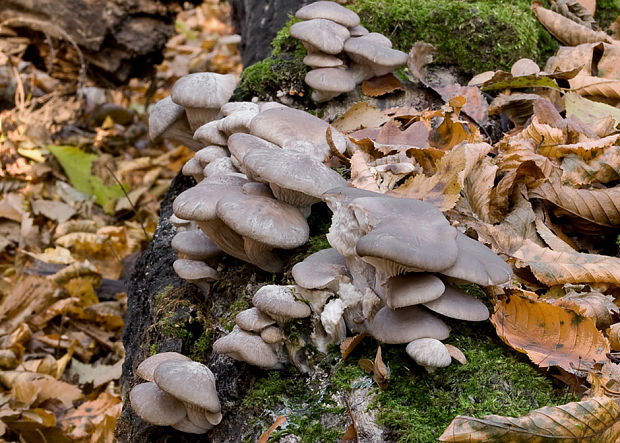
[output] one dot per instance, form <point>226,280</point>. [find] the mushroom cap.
<point>188,427</point>
<point>272,335</point>
<point>292,170</point>
<point>478,264</point>
<point>279,302</point>
<point>264,219</point>
<point>320,269</point>
<point>209,134</point>
<point>524,66</point>
<point>164,113</point>
<point>219,166</point>
<point>192,270</point>
<point>195,245</point>
<point>236,122</point>
<point>397,326</point>
<point>330,80</point>
<point>155,406</point>
<point>253,320</point>
<point>457,304</point>
<point>368,49</point>
<point>322,35</point>
<point>192,167</point>
<point>247,347</point>
<point>209,153</point>
<point>199,202</point>
<point>412,289</point>
<point>429,352</point>
<point>240,144</point>
<point>188,381</point>
<point>358,31</point>
<point>319,60</point>
<point>203,90</point>
<point>256,188</point>
<point>147,367</point>
<point>232,107</point>
<point>330,11</point>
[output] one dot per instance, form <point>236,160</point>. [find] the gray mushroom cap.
<point>292,171</point>
<point>155,406</point>
<point>195,245</point>
<point>318,60</point>
<point>457,304</point>
<point>185,425</point>
<point>194,270</point>
<point>397,326</point>
<point>240,144</point>
<point>199,202</point>
<point>321,35</point>
<point>279,302</point>
<point>210,153</point>
<point>253,320</point>
<point>163,115</point>
<point>188,381</point>
<point>272,335</point>
<point>430,353</point>
<point>478,264</point>
<point>320,270</point>
<point>209,134</point>
<point>203,90</point>
<point>330,11</point>
<point>247,347</point>
<point>381,58</point>
<point>232,107</point>
<point>147,367</point>
<point>412,289</point>
<point>358,31</point>
<point>329,82</point>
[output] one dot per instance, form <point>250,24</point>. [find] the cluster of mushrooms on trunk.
<point>260,168</point>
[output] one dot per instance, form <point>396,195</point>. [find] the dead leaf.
<point>378,86</point>
<point>456,354</point>
<point>596,86</point>
<point>54,210</point>
<point>594,420</point>
<point>420,56</point>
<point>380,374</point>
<point>280,420</point>
<point>588,111</point>
<point>97,374</point>
<point>479,187</point>
<point>350,343</point>
<point>359,116</point>
<point>549,335</point>
<point>565,30</point>
<point>361,175</point>
<point>517,107</point>
<point>350,435</point>
<point>90,418</point>
<point>594,305</point>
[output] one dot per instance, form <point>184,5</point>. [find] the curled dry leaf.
<point>359,116</point>
<point>578,11</point>
<point>565,30</point>
<point>597,86</point>
<point>361,175</point>
<point>378,86</point>
<point>350,343</point>
<point>380,373</point>
<point>479,186</point>
<point>604,168</point>
<point>590,112</point>
<point>456,354</point>
<point>586,149</point>
<point>594,305</point>
<point>549,335</point>
<point>280,420</point>
<point>614,336</point>
<point>594,420</point>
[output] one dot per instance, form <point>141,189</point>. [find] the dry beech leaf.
<point>380,371</point>
<point>415,135</point>
<point>602,169</point>
<point>589,85</point>
<point>614,336</point>
<point>542,135</point>
<point>420,56</point>
<point>565,30</point>
<point>452,131</point>
<point>361,175</point>
<point>443,188</point>
<point>578,11</point>
<point>359,116</point>
<point>557,268</point>
<point>549,335</point>
<point>594,420</point>
<point>517,107</point>
<point>550,238</point>
<point>594,305</point>
<point>350,435</point>
<point>378,86</point>
<point>586,150</point>
<point>349,344</point>
<point>479,187</point>
<point>366,364</point>
<point>599,206</point>
<point>588,111</point>
<point>280,420</point>
<point>456,354</point>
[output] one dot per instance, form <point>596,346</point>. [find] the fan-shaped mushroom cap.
<point>323,269</point>
<point>179,223</point>
<point>412,289</point>
<point>240,144</point>
<point>236,122</point>
<point>457,304</point>
<point>283,125</point>
<point>256,188</point>
<point>430,353</point>
<point>247,347</point>
<point>318,60</point>
<point>294,177</point>
<point>190,382</point>
<point>195,245</point>
<point>478,264</point>
<point>358,31</point>
<point>202,94</point>
<point>155,406</point>
<point>329,82</point>
<point>185,425</point>
<point>396,326</point>
<point>524,66</point>
<point>195,271</point>
<point>330,11</point>
<point>232,107</point>
<point>272,335</point>
<point>320,35</point>
<point>264,223</point>
<point>168,120</point>
<point>279,302</point>
<point>193,168</point>
<point>209,153</point>
<point>147,367</point>
<point>219,166</point>
<point>209,134</point>
<point>367,50</point>
<point>253,320</point>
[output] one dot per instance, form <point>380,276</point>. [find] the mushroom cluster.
<point>341,52</point>
<point>178,392</point>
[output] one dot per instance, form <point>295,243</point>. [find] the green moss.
<point>243,303</point>
<point>606,12</point>
<point>476,35</point>
<point>153,349</point>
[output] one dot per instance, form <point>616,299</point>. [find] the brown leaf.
<point>366,364</point>
<point>264,437</point>
<point>380,371</point>
<point>415,135</point>
<point>30,296</point>
<point>594,305</point>
<point>600,206</point>
<point>421,54</point>
<point>549,335</point>
<point>350,343</point>
<point>361,175</point>
<point>359,116</point>
<point>350,435</point>
<point>478,188</point>
<point>565,30</point>
<point>590,112</point>
<point>586,149</point>
<point>378,86</point>
<point>517,107</point>
<point>557,268</point>
<point>614,336</point>
<point>90,418</point>
<point>594,420</point>
<point>456,354</point>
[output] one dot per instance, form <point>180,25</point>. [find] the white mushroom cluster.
<point>389,273</point>
<point>259,168</point>
<point>178,392</point>
<point>341,52</point>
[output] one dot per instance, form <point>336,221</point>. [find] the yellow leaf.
<point>594,420</point>
<point>550,335</point>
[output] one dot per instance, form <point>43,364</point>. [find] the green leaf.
<point>588,111</point>
<point>525,81</point>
